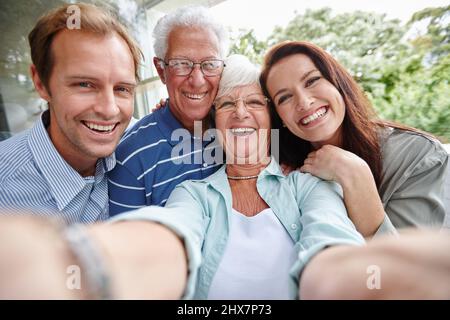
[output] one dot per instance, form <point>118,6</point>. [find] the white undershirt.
<point>256,261</point>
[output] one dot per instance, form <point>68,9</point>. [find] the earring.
<point>284,125</point>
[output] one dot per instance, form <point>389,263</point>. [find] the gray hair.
<point>190,17</point>
<point>239,71</point>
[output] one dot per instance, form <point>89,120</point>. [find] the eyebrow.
<point>80,77</point>
<point>303,77</point>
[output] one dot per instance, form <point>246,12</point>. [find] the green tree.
<point>364,42</point>
<point>419,94</point>
<point>436,40</point>
<point>247,44</point>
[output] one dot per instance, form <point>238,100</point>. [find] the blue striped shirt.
<point>34,176</point>
<point>148,163</point>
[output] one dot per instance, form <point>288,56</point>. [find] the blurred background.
<point>398,51</point>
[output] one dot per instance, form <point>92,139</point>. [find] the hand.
<point>159,105</point>
<point>332,163</point>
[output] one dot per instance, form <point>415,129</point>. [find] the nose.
<point>240,110</point>
<point>106,104</point>
<point>197,78</point>
<point>304,100</point>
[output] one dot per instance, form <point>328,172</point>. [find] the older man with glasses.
<point>166,147</point>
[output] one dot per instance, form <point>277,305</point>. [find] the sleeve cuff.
<point>386,228</point>
<point>305,255</point>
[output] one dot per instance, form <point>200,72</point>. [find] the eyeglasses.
<point>252,102</point>
<point>184,67</point>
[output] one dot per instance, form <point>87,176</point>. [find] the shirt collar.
<point>107,164</point>
<point>64,181</point>
<point>273,169</point>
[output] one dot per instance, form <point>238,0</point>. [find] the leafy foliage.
<point>247,44</point>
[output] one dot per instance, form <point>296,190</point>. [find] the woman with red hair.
<point>392,175</point>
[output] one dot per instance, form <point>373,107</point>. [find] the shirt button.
<point>294,226</point>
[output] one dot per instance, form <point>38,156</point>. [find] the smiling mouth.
<point>195,96</point>
<point>242,131</point>
<point>99,128</point>
<point>316,115</point>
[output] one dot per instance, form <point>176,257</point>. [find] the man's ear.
<point>38,84</point>
<point>158,65</point>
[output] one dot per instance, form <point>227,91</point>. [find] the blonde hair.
<point>93,19</point>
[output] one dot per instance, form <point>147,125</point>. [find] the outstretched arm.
<point>144,260</point>
<point>414,266</point>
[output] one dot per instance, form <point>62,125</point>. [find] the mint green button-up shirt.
<point>310,209</point>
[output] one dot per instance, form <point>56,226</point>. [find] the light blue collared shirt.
<point>311,211</point>
<point>34,176</point>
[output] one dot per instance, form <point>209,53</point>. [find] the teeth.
<point>319,113</point>
<point>195,96</point>
<point>98,127</point>
<point>242,131</point>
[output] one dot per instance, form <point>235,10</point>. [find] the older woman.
<point>392,176</point>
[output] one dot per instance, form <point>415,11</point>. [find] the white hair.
<point>238,71</point>
<point>190,17</point>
